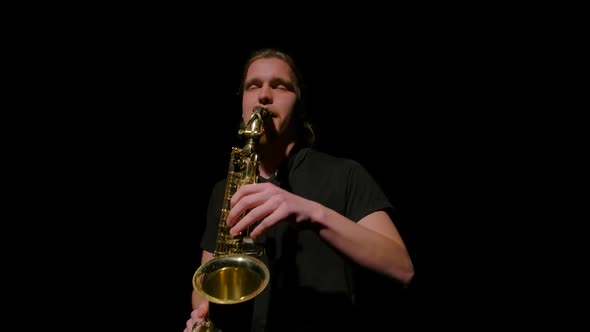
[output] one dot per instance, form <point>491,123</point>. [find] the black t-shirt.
<point>311,283</point>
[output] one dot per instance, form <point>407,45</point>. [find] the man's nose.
<point>265,95</point>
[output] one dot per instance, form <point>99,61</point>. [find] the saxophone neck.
<point>254,129</point>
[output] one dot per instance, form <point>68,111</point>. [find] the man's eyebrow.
<point>279,80</point>
<point>252,80</point>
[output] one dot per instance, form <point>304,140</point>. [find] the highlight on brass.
<point>236,274</point>
<point>231,279</point>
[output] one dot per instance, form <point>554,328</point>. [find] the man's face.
<point>269,83</point>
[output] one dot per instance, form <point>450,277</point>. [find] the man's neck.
<point>272,156</point>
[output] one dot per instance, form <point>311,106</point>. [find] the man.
<point>319,217</point>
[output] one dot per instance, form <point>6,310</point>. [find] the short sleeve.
<point>363,194</point>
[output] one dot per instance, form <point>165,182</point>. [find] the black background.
<point>408,92</point>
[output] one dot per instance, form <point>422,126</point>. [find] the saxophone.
<point>235,274</point>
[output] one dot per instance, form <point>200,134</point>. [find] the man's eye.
<point>281,87</point>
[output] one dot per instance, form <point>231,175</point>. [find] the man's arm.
<point>373,242</point>
<point>198,299</point>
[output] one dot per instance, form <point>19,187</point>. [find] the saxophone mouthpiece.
<point>264,111</point>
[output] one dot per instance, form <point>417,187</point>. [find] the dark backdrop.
<point>398,89</point>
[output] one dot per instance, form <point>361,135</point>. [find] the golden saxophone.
<point>235,274</point>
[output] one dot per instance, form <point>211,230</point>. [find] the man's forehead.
<point>269,68</point>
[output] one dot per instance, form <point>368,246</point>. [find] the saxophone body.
<point>235,274</point>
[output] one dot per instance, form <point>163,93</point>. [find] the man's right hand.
<point>198,302</point>
<point>197,316</point>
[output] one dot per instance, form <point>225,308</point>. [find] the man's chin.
<point>267,139</point>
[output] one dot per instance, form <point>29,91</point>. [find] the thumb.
<point>202,310</point>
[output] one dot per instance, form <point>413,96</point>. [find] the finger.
<point>198,314</point>
<point>244,190</point>
<point>189,325</point>
<point>202,311</point>
<point>266,223</point>
<point>246,203</point>
<point>254,215</point>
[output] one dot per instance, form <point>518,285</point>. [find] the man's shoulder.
<point>321,163</point>
<point>318,157</point>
